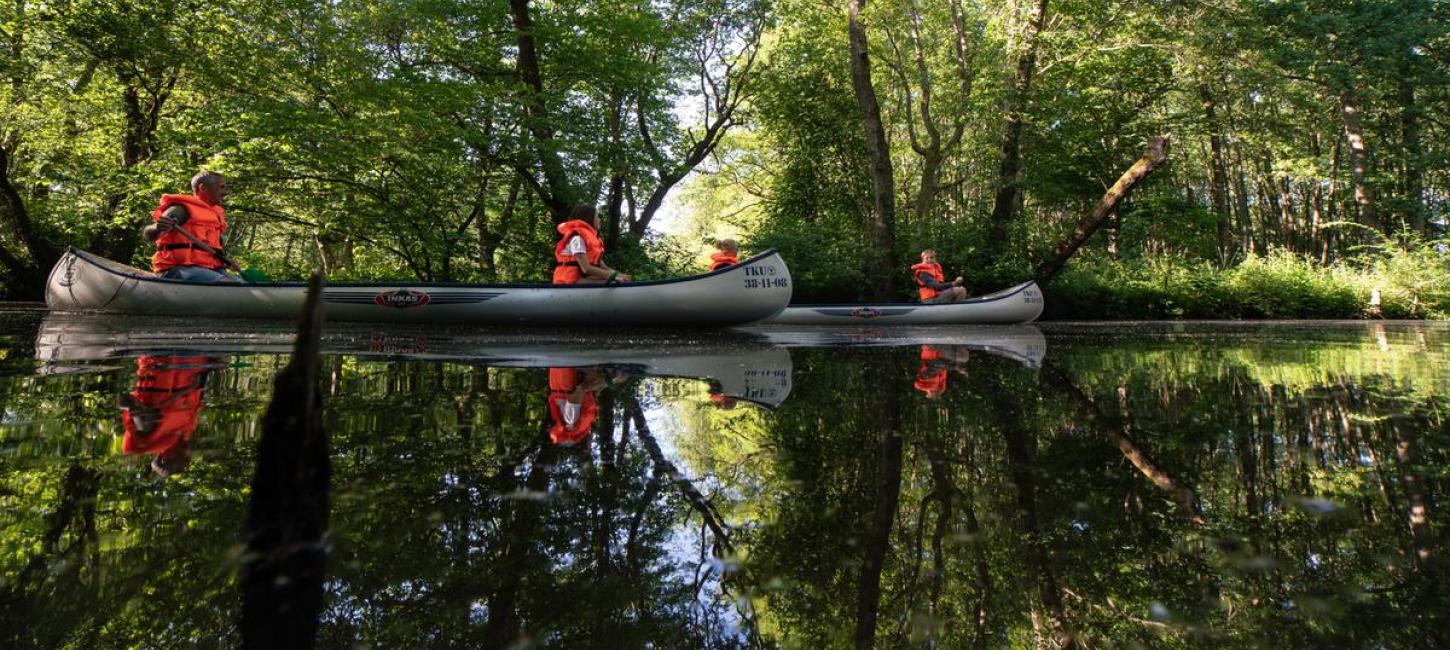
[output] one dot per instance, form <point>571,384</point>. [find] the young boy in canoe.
<point>931,284</point>
<point>727,253</point>
<point>580,252</point>
<point>199,214</point>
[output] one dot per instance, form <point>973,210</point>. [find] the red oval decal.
<point>866,312</point>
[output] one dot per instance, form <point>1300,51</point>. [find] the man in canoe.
<point>931,283</point>
<point>727,253</point>
<point>580,252</point>
<point>199,214</point>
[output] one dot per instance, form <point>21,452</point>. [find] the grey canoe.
<point>753,290</point>
<point>1019,304</point>
<point>740,366</point>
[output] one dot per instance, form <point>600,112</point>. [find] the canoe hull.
<point>1019,304</point>
<point>754,290</point>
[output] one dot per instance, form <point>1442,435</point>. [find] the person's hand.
<point>623,277</point>
<point>957,282</point>
<point>166,224</point>
<point>232,266</point>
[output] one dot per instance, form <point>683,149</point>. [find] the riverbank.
<point>1408,285</point>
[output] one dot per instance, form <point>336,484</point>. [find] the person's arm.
<point>931,282</point>
<point>598,271</point>
<point>172,217</point>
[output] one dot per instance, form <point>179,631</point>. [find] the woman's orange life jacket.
<point>934,270</point>
<point>723,259</point>
<point>562,382</point>
<point>568,272</point>
<point>173,385</point>
<point>206,221</point>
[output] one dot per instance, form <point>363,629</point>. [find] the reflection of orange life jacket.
<point>206,221</point>
<point>931,380</point>
<point>562,382</point>
<point>723,259</point>
<point>934,270</point>
<point>174,386</point>
<point>567,272</point>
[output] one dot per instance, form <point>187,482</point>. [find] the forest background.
<point>1306,171</point>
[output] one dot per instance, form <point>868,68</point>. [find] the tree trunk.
<point>1218,178</point>
<point>1360,164</point>
<point>1009,192</point>
<point>1152,159</point>
<point>28,279</point>
<point>556,193</point>
<point>1414,164</point>
<point>883,188</point>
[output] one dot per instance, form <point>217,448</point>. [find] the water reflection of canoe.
<point>753,290</point>
<point>1018,304</point>
<point>1021,343</point>
<point>743,366</point>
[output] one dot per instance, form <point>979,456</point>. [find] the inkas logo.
<point>866,312</point>
<point>401,299</point>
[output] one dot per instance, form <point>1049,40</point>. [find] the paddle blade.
<point>254,275</point>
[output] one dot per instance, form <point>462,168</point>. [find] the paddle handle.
<point>203,245</point>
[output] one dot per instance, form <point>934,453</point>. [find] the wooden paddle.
<point>248,274</point>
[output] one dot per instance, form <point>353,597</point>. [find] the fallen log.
<point>1152,159</point>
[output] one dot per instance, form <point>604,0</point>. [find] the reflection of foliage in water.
<point>1020,508</point>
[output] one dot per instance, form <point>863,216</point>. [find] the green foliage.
<point>1410,284</point>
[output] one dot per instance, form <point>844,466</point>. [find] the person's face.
<point>214,191</point>
<point>597,225</point>
<point>928,257</point>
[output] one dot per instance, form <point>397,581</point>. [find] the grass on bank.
<point>1398,284</point>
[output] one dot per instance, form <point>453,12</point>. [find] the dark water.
<point>1173,485</point>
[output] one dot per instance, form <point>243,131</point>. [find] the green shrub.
<point>1413,282</point>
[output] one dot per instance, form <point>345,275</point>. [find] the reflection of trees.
<point>1259,504</point>
<point>1116,481</point>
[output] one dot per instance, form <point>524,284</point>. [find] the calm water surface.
<point>1153,485</point>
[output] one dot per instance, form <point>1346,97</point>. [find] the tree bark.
<point>1009,192</point>
<point>883,184</point>
<point>27,279</point>
<point>1218,178</point>
<point>1152,159</point>
<point>1360,164</point>
<point>1414,173</point>
<point>556,192</point>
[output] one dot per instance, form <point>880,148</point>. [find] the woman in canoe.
<point>580,252</point>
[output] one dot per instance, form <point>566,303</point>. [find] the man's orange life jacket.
<point>172,385</point>
<point>723,259</point>
<point>934,270</point>
<point>206,221</point>
<point>568,272</point>
<point>562,382</point>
